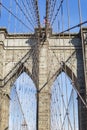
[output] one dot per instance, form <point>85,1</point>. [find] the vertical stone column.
<point>86,67</point>
<point>85,44</point>
<point>82,88</point>
<point>44,97</point>
<point>85,62</point>
<point>44,111</point>
<point>4,111</point>
<point>85,51</point>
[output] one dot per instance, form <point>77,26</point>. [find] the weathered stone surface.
<point>43,63</point>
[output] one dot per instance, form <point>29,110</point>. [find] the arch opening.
<point>64,105</point>
<point>22,112</point>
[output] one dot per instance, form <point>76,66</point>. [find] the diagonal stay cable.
<point>33,8</point>
<point>24,13</point>
<point>66,114</point>
<point>62,123</point>
<point>20,105</point>
<point>78,93</point>
<point>58,108</point>
<point>64,103</point>
<point>31,11</point>
<point>57,12</point>
<point>69,79</point>
<point>9,11</point>
<point>52,11</point>
<point>28,14</point>
<point>37,13</point>
<point>31,5</point>
<point>73,27</point>
<point>0,8</point>
<point>50,7</point>
<point>58,71</point>
<point>20,63</point>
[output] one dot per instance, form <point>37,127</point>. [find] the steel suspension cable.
<point>74,120</point>
<point>52,11</point>
<point>66,113</point>
<point>9,18</point>
<point>33,9</point>
<point>73,86</point>
<point>81,98</point>
<point>15,16</point>
<point>0,7</point>
<point>61,2</point>
<point>15,22</point>
<point>24,13</point>
<point>20,105</point>
<point>49,7</point>
<point>55,108</point>
<point>63,105</point>
<point>68,17</point>
<point>47,15</point>
<point>31,12</point>
<point>37,13</point>
<point>66,84</point>
<point>73,27</point>
<point>23,90</point>
<point>83,47</point>
<point>28,14</point>
<point>57,101</point>
<point>67,109</point>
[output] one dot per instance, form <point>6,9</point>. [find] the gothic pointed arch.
<point>11,77</point>
<point>64,68</point>
<point>63,101</point>
<point>22,112</point>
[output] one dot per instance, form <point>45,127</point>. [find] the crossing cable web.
<point>63,95</point>
<point>67,5</point>
<point>32,126</point>
<point>57,7</point>
<point>63,112</point>
<point>62,16</point>
<point>23,12</point>
<point>23,93</point>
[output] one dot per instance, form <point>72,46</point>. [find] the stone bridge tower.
<point>23,52</point>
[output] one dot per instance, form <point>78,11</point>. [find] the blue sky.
<point>23,103</point>
<point>14,25</point>
<point>62,102</point>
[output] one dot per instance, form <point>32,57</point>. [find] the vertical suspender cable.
<point>68,12</point>
<point>74,120</point>
<point>37,14</point>
<point>62,19</point>
<point>46,26</point>
<point>27,11</point>
<point>15,24</point>
<point>20,13</point>
<point>9,18</point>
<point>0,8</point>
<point>31,11</point>
<point>20,104</point>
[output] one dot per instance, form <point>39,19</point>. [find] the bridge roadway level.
<point>42,62</point>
